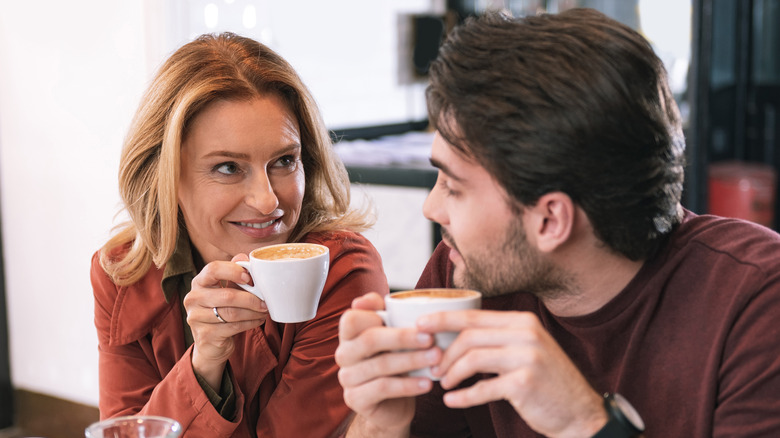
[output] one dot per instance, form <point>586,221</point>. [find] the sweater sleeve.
<point>747,401</point>
<point>137,379</point>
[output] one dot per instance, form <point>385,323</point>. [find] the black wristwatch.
<point>624,421</point>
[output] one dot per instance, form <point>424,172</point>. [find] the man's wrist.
<point>589,421</point>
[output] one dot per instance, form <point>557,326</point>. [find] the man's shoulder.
<point>438,270</point>
<point>717,259</point>
<point>743,241</point>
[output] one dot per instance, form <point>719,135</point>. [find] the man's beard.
<point>514,266</point>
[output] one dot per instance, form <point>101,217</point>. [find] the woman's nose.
<point>260,195</point>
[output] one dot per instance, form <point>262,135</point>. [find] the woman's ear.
<point>550,222</point>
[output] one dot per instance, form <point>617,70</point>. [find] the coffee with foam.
<point>427,295</point>
<point>288,251</point>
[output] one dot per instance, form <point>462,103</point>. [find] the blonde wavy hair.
<point>221,66</point>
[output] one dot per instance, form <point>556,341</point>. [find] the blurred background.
<point>72,73</point>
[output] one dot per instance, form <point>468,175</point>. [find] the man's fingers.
<point>388,364</point>
<point>367,396</point>
<point>355,322</point>
<point>457,320</point>
<point>480,393</point>
<point>369,301</point>
<point>495,360</point>
<point>375,339</point>
<point>471,339</point>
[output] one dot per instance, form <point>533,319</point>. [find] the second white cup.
<point>403,308</point>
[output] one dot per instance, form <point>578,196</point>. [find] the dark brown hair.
<point>573,102</point>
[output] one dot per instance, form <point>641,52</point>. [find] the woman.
<point>227,153</point>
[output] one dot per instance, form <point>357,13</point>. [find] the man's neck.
<point>597,276</point>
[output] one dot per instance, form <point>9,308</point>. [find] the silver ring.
<point>219,317</point>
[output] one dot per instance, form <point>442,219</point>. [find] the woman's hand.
<point>241,311</point>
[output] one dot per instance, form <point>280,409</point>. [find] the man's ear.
<point>551,221</point>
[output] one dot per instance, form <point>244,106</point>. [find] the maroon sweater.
<point>693,341</point>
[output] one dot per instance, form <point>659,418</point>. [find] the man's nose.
<point>432,208</point>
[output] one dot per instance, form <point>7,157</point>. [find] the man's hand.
<point>373,361</point>
<point>532,372</point>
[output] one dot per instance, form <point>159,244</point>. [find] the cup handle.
<point>383,314</point>
<point>246,287</point>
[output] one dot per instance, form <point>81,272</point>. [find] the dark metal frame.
<point>744,111</point>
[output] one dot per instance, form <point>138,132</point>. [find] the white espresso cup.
<point>289,277</point>
<point>403,308</point>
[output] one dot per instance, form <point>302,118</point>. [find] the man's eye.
<point>227,168</point>
<point>446,187</point>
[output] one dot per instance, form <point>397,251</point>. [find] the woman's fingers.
<point>215,273</point>
<point>229,314</point>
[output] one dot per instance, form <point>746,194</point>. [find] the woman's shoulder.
<point>340,241</point>
<point>355,265</point>
<point>117,314</point>
<point>112,254</point>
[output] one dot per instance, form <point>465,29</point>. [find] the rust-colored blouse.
<point>284,376</point>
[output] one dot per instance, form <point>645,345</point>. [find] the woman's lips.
<point>258,229</point>
<point>258,226</point>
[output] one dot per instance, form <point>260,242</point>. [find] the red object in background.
<point>743,190</point>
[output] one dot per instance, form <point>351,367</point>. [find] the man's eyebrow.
<point>444,168</point>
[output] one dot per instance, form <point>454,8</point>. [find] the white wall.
<point>71,75</point>
<point>401,234</point>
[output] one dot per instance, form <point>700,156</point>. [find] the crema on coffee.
<point>288,251</point>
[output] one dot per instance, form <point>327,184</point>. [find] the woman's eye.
<point>227,168</point>
<point>287,161</point>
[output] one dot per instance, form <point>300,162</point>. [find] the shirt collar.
<point>180,263</point>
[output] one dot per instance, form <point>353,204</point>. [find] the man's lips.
<point>454,253</point>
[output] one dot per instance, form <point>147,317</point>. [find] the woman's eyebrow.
<point>243,156</point>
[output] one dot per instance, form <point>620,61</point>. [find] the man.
<point>560,157</point>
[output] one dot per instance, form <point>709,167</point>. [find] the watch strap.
<point>618,426</point>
